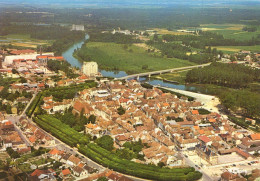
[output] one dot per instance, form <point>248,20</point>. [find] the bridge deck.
<point>160,71</point>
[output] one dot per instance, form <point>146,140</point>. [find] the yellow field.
<point>165,31</point>
<point>215,27</point>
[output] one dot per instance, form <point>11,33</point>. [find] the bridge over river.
<point>149,74</point>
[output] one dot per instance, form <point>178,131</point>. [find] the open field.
<point>165,31</point>
<point>231,31</point>
<point>22,40</point>
<point>134,59</point>
<point>232,49</point>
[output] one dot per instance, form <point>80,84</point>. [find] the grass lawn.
<point>42,161</point>
<point>231,31</point>
<point>232,49</point>
<point>113,56</point>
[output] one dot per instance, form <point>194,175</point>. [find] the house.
<point>55,154</point>
<point>65,174</point>
<point>255,136</point>
<point>207,154</point>
<point>227,176</point>
<point>80,106</point>
<point>79,172</point>
<point>73,161</point>
<point>205,140</point>
<point>43,175</point>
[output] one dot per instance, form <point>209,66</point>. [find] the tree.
<point>155,37</point>
<point>14,71</point>
<point>161,164</point>
<point>92,119</point>
<point>146,33</point>
<point>23,80</point>
<point>102,179</point>
<point>121,110</point>
<point>106,142</point>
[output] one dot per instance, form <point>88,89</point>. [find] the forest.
<point>228,75</point>
<point>207,38</point>
<point>236,91</point>
<point>177,50</point>
<point>62,36</point>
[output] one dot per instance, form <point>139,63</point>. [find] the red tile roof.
<point>205,139</point>
<point>255,136</point>
<point>195,112</point>
<point>66,172</point>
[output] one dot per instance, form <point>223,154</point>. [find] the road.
<point>14,120</point>
<point>205,176</point>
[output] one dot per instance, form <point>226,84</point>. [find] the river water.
<point>68,55</point>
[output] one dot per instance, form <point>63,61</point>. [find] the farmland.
<point>231,31</point>
<point>232,49</point>
<point>22,40</point>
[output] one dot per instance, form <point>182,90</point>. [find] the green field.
<point>231,31</point>
<point>133,59</point>
<point>232,49</point>
<point>177,76</point>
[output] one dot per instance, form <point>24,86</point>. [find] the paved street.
<point>189,162</point>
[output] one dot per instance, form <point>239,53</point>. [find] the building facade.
<point>90,68</point>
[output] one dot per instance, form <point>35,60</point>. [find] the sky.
<point>108,3</point>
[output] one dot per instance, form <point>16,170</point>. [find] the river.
<point>68,55</point>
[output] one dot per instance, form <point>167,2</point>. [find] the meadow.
<point>233,49</point>
<point>231,31</point>
<point>130,58</point>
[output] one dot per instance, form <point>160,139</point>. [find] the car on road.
<point>186,156</point>
<point>249,163</point>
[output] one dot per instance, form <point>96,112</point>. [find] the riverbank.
<point>210,103</point>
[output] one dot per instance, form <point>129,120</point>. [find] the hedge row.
<point>153,172</point>
<point>33,105</point>
<point>60,130</point>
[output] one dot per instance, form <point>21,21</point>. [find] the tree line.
<point>64,66</point>
<point>116,38</point>
<point>207,38</point>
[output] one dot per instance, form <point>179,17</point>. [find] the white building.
<point>11,58</point>
<point>90,68</point>
<point>77,28</point>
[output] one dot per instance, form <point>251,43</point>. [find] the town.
<point>145,124</point>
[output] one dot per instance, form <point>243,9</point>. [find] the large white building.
<point>77,27</point>
<point>90,68</point>
<point>9,59</point>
